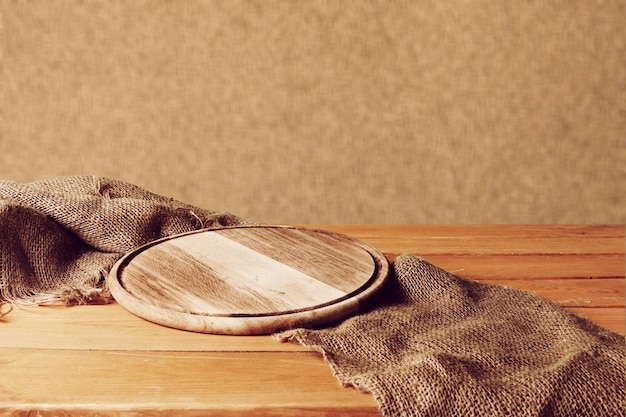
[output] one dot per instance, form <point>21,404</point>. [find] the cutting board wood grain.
<point>248,279</point>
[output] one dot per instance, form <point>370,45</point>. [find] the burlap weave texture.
<point>60,236</point>
<point>442,346</point>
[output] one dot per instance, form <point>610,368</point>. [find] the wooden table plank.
<point>102,360</point>
<point>573,292</point>
<point>117,382</point>
<point>397,232</point>
<point>530,266</point>
<point>487,239</point>
<point>111,327</point>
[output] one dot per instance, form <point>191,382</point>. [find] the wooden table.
<point>101,360</point>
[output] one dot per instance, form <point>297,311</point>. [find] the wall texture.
<point>326,111</point>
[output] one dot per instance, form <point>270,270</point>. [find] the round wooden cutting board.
<point>248,279</point>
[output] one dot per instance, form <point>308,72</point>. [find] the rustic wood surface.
<point>102,360</point>
<point>249,279</point>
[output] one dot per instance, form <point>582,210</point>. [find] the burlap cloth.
<point>59,237</point>
<point>436,345</point>
<point>443,346</point>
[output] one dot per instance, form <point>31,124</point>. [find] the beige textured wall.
<point>327,111</point>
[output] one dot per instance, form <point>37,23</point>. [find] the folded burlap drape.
<point>59,237</point>
<point>443,346</point>
<point>436,345</point>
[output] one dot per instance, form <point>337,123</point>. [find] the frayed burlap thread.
<point>442,346</point>
<point>59,237</point>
